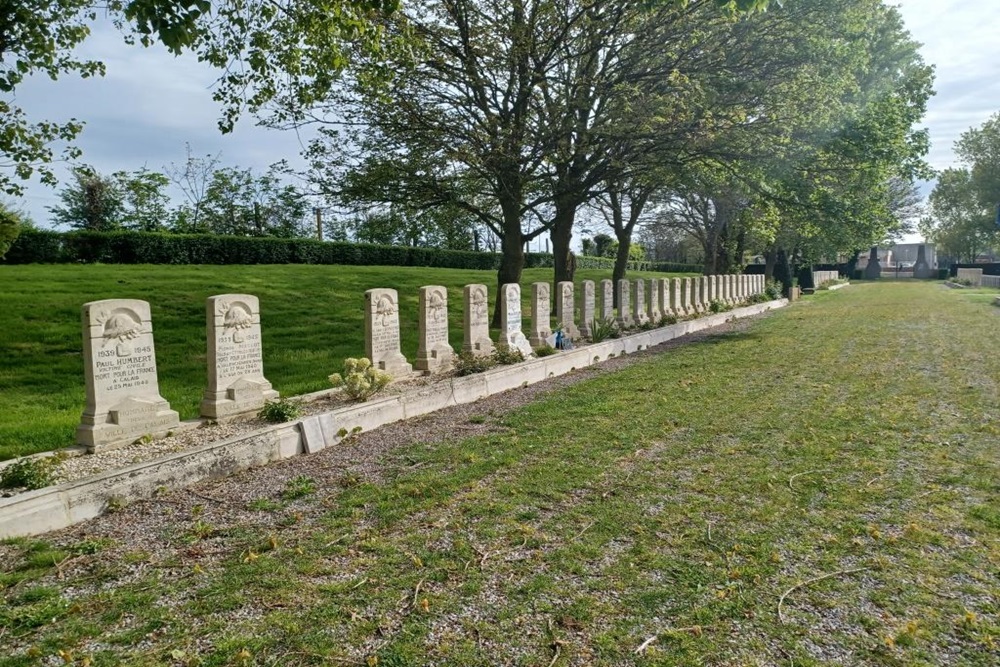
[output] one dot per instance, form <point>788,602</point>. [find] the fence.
<point>991,281</point>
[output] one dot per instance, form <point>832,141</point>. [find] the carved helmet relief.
<point>543,291</point>
<point>236,316</point>
<point>121,325</point>
<point>436,306</point>
<point>385,308</point>
<point>478,303</point>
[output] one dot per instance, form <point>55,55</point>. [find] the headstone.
<point>973,275</point>
<point>624,305</point>
<point>566,310</point>
<point>873,271</point>
<point>686,297</point>
<point>123,393</point>
<point>706,299</point>
<point>655,314</point>
<point>730,293</point>
<point>511,335</point>
<point>236,382</point>
<point>382,332</point>
<point>541,309</point>
<point>678,292</point>
<point>665,306</point>
<point>434,352</point>
<point>607,300</point>
<point>588,308</point>
<point>921,269</point>
<point>476,321</point>
<point>696,295</point>
<point>639,306</point>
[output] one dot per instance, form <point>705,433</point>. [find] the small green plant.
<point>360,379</point>
<point>281,410</point>
<point>717,306</point>
<point>649,325</point>
<point>545,351</point>
<point>965,282</point>
<point>603,329</point>
<point>667,320</point>
<point>508,356</point>
<point>773,289</point>
<point>30,473</point>
<point>298,487</point>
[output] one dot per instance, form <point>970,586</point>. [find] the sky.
<point>150,104</point>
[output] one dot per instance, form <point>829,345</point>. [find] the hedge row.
<point>49,247</point>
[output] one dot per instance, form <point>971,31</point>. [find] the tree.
<point>12,222</point>
<point>265,48</point>
<point>144,204</point>
<point>960,225</point>
<point>93,202</point>
<point>239,203</point>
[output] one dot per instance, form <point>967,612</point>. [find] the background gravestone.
<point>476,321</point>
<point>382,332</point>
<point>236,382</point>
<point>655,313</point>
<point>607,300</point>
<point>511,336</point>
<point>686,296</point>
<point>665,307</point>
<point>624,319</point>
<point>696,303</point>
<point>434,352</point>
<point>678,298</point>
<point>566,310</point>
<point>639,315</point>
<point>587,309</point>
<point>123,393</point>
<point>541,308</point>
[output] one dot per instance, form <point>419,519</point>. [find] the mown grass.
<point>311,318</point>
<point>667,508</point>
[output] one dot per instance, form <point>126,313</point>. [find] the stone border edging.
<point>832,288</point>
<point>55,507</point>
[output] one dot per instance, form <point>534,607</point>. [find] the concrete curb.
<point>52,508</point>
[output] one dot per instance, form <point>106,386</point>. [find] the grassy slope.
<point>676,500</point>
<point>311,318</point>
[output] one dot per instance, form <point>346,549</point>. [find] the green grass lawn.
<point>311,318</point>
<point>839,457</point>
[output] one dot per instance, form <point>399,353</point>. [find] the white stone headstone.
<point>541,313</point>
<point>696,294</point>
<point>639,307</point>
<point>566,310</point>
<point>665,307</point>
<point>434,353</point>
<point>713,288</point>
<point>686,297</point>
<point>678,292</point>
<point>655,312</point>
<point>607,300</point>
<point>511,335</point>
<point>624,318</point>
<point>587,309</point>
<point>382,332</point>
<point>236,382</point>
<point>123,392</point>
<point>476,321</point>
<point>705,293</point>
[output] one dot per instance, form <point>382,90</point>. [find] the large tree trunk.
<point>770,260</point>
<point>511,244</point>
<point>562,236</point>
<point>783,270</point>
